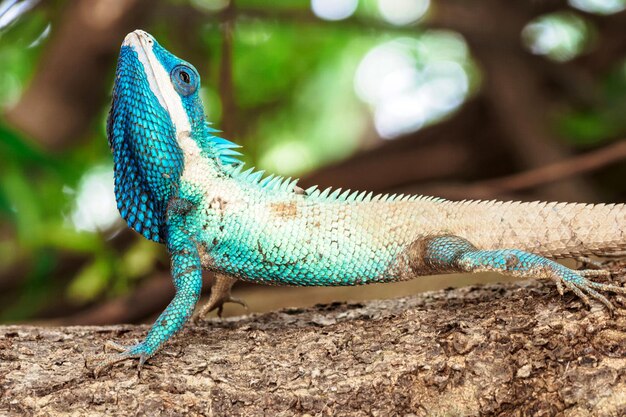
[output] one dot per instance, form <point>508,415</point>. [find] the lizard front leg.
<point>220,294</point>
<point>187,276</point>
<point>441,254</point>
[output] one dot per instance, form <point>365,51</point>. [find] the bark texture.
<point>508,349</point>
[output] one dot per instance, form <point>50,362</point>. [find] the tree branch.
<point>471,351</point>
<point>559,171</point>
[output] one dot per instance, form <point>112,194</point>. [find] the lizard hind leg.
<point>220,295</point>
<point>455,254</point>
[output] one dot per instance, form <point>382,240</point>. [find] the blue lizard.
<point>179,184</point>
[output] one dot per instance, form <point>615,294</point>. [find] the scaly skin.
<point>178,184</point>
<point>296,239</point>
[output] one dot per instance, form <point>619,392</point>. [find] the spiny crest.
<point>329,194</point>
<point>281,184</point>
<point>254,177</point>
<point>228,156</point>
<point>223,148</point>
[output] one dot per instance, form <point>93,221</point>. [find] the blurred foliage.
<point>596,124</point>
<point>297,109</point>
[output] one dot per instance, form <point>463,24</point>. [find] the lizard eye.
<point>184,76</point>
<point>185,79</point>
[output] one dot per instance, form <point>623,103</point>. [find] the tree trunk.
<point>508,349</point>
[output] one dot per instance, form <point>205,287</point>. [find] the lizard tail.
<point>555,230</point>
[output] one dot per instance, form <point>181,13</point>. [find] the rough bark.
<point>509,349</point>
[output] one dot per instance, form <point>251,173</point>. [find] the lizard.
<point>179,184</point>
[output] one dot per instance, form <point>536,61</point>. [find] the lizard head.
<point>155,102</point>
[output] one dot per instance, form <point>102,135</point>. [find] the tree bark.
<point>508,349</point>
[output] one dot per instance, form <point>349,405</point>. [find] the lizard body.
<point>179,184</point>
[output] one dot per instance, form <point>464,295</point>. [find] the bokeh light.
<point>94,206</point>
<point>334,9</point>
<point>559,36</point>
<point>402,12</point>
<point>603,7</point>
<point>407,87</point>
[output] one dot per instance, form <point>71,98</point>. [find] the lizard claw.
<point>233,300</point>
<point>559,287</point>
<point>138,351</point>
<point>218,304</point>
<point>110,345</point>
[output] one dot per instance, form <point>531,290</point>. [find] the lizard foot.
<point>579,284</point>
<point>217,303</point>
<point>220,294</point>
<point>138,351</point>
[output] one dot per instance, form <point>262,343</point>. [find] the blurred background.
<point>463,99</point>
